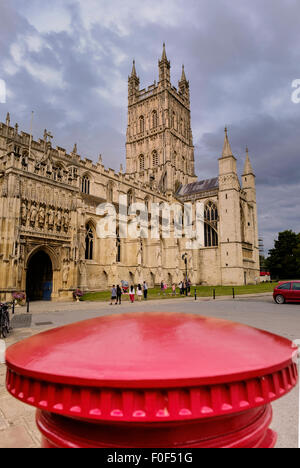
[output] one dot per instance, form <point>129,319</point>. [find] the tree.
<point>284,260</point>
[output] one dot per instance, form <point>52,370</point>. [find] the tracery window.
<point>154,119</point>
<point>89,243</point>
<point>118,247</point>
<point>154,158</point>
<point>142,162</point>
<point>141,124</point>
<point>211,218</point>
<point>85,185</point>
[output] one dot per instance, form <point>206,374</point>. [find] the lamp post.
<point>185,257</point>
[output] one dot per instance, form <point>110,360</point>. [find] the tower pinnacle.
<point>226,147</point>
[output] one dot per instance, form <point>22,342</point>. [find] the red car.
<point>287,291</point>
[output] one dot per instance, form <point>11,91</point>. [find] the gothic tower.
<point>159,143</point>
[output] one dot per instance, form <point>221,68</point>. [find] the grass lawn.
<point>202,291</point>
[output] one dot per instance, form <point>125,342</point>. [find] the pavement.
<point>17,421</point>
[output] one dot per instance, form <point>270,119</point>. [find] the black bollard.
<point>195,294</point>
<point>13,308</point>
<point>214,294</point>
<point>28,307</point>
<point>233,293</point>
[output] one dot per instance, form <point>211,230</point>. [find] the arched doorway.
<point>39,279</point>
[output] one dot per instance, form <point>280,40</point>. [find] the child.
<point>113,295</point>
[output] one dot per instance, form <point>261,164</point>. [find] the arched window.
<point>110,192</point>
<point>89,242</point>
<point>211,225</point>
<point>174,159</point>
<point>243,223</point>
<point>142,162</point>
<point>129,198</point>
<point>173,120</point>
<point>154,119</point>
<point>85,185</point>
<point>118,246</point>
<point>154,158</point>
<point>183,164</point>
<point>141,124</point>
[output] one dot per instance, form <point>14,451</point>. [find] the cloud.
<point>69,61</point>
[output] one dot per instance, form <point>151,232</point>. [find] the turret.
<point>133,82</point>
<point>164,68</point>
<point>184,85</point>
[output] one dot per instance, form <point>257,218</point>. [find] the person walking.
<point>119,295</point>
<point>139,292</point>
<point>132,294</point>
<point>174,289</point>
<point>145,288</point>
<point>113,295</point>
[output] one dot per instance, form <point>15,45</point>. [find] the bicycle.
<point>5,327</point>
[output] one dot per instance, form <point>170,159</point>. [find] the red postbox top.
<point>151,366</point>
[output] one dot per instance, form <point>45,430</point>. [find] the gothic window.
<point>89,243</point>
<point>154,158</point>
<point>173,120</point>
<point>129,198</point>
<point>85,185</point>
<point>110,192</point>
<point>118,246</point>
<point>242,224</point>
<point>141,124</point>
<point>174,158</point>
<point>142,162</point>
<point>154,119</point>
<point>181,127</point>
<point>211,225</point>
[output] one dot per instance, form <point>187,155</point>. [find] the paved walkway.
<point>17,421</point>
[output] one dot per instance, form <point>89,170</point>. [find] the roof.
<point>199,186</point>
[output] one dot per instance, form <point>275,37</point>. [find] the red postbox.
<point>153,380</point>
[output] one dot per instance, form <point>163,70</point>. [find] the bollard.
<point>195,294</point>
<point>233,293</point>
<point>162,383</point>
<point>214,294</point>
<point>28,307</point>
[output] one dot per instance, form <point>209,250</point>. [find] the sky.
<point>69,61</point>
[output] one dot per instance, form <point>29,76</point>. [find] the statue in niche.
<point>41,216</point>
<point>66,270</point>
<point>23,213</point>
<point>33,214</point>
<point>51,218</point>
<point>58,220</point>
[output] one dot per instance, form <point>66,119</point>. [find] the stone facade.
<point>49,200</point>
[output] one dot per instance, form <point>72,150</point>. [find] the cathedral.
<point>49,198</point>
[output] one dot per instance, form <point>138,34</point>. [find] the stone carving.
<point>66,270</point>
<point>33,214</point>
<point>23,213</point>
<point>51,219</point>
<point>41,217</point>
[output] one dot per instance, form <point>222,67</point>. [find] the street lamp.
<point>185,258</point>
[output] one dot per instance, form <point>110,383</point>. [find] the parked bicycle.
<point>5,327</point>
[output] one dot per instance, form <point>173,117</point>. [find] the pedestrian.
<point>113,295</point>
<point>132,294</point>
<point>139,292</point>
<point>145,288</point>
<point>162,287</point>
<point>188,284</point>
<point>119,295</point>
<point>181,288</point>
<point>174,289</point>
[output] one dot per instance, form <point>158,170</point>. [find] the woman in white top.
<point>132,294</point>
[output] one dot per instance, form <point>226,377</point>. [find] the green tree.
<point>284,260</point>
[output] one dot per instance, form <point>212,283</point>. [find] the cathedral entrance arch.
<point>39,278</point>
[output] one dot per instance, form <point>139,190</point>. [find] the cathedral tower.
<point>159,143</point>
